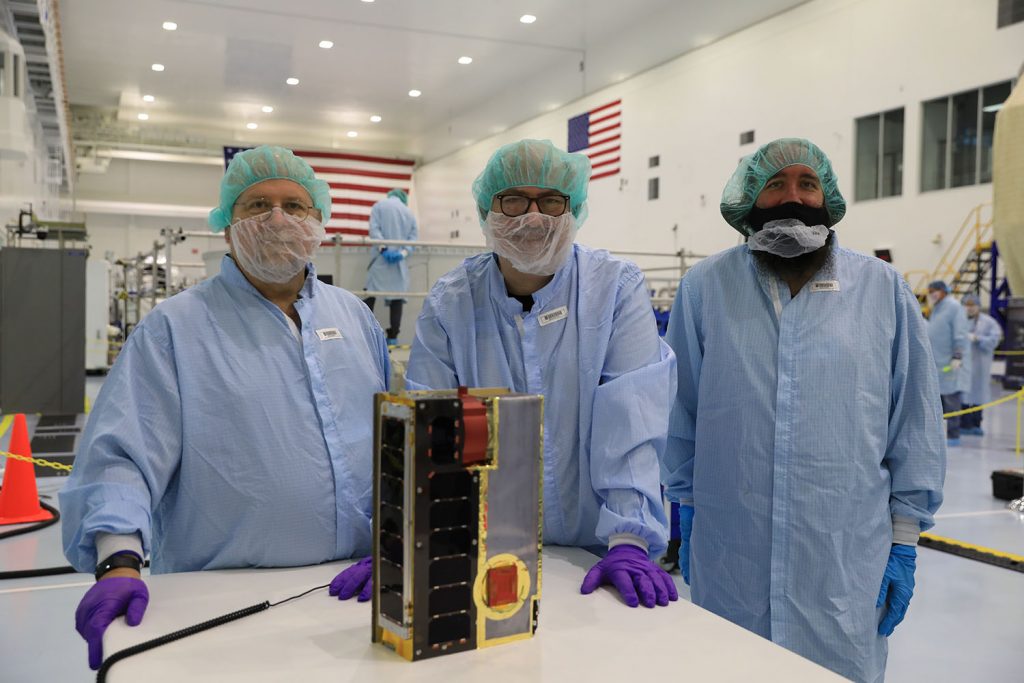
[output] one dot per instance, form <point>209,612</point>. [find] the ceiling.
<point>228,58</point>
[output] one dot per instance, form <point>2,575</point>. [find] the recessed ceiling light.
<point>414,93</point>
<point>170,26</point>
<point>157,67</point>
<point>527,19</point>
<point>292,81</point>
<point>252,126</point>
<point>465,60</point>
<point>148,98</point>
<point>374,119</point>
<point>266,109</point>
<point>326,44</point>
<point>143,117</point>
<point>367,0</point>
<point>352,134</point>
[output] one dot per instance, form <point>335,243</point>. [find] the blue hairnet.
<point>939,285</point>
<point>402,196</point>
<point>756,170</point>
<point>534,163</point>
<point>971,299</point>
<point>267,162</point>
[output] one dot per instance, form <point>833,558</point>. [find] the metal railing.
<point>975,234</point>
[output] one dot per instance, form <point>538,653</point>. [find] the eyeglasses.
<point>513,205</point>
<point>263,208</point>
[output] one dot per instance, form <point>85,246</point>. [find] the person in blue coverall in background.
<point>984,335</point>
<point>805,445</point>
<point>391,219</point>
<point>235,428</point>
<point>947,331</point>
<point>543,315</point>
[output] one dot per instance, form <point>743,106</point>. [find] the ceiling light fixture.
<point>157,67</point>
<point>465,60</point>
<point>143,117</point>
<point>367,0</point>
<point>292,81</point>
<point>170,26</point>
<point>992,108</point>
<point>414,93</point>
<point>266,109</point>
<point>374,119</point>
<point>148,98</point>
<point>326,44</point>
<point>527,19</point>
<point>352,134</point>
<point>252,126</point>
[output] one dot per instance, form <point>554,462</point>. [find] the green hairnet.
<point>534,163</point>
<point>267,162</point>
<point>402,196</point>
<point>756,170</point>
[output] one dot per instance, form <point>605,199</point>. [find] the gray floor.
<point>964,622</point>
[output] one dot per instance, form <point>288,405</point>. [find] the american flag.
<point>597,134</point>
<point>357,182</point>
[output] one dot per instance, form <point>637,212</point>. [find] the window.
<point>747,137</point>
<point>956,137</point>
<point>1010,12</point>
<point>652,189</point>
<point>879,155</point>
<point>654,162</point>
<point>3,71</point>
<point>16,75</point>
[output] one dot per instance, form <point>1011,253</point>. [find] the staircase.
<point>970,265</point>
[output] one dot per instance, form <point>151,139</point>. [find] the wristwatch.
<point>118,560</point>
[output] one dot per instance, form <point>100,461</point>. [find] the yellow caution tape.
<point>37,461</point>
<point>975,409</point>
<point>1009,353</point>
<point>5,424</point>
<point>976,548</point>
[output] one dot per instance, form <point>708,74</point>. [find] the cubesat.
<point>456,519</point>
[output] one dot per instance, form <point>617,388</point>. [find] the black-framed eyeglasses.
<point>262,208</point>
<point>513,205</point>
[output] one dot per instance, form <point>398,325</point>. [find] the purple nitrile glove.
<point>105,601</point>
<point>355,579</point>
<point>637,579</point>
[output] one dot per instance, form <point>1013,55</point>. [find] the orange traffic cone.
<point>19,498</point>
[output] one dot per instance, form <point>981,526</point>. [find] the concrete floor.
<point>963,625</point>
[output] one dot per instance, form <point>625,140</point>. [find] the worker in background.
<point>947,330</point>
<point>805,444</point>
<point>391,219</point>
<point>235,428</point>
<point>984,335</point>
<point>543,315</point>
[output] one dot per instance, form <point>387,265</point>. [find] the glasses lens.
<point>254,207</point>
<point>513,205</point>
<point>552,206</point>
<point>295,209</point>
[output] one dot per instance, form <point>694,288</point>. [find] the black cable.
<point>34,573</point>
<point>37,525</point>
<point>101,675</point>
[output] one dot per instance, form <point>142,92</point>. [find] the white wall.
<point>808,72</point>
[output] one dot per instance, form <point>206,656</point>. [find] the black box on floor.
<point>1008,484</point>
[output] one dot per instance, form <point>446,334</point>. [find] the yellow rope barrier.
<point>5,424</point>
<point>1018,396</point>
<point>37,461</point>
<point>1009,353</point>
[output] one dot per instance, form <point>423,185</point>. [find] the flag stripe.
<point>355,157</point>
<point>604,130</point>
<point>361,188</point>
<point>605,174</point>
<point>595,143</point>
<point>592,155</point>
<point>605,163</point>
<point>605,106</point>
<point>594,122</point>
<point>353,201</point>
<point>360,172</point>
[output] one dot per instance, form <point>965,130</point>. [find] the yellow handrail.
<point>973,234</point>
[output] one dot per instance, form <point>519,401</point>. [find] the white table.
<point>317,638</point>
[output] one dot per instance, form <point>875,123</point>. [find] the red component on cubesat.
<point>502,586</point>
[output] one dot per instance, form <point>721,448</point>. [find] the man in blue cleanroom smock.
<point>984,335</point>
<point>543,315</point>
<point>805,446</point>
<point>235,428</point>
<point>391,219</point>
<point>947,331</point>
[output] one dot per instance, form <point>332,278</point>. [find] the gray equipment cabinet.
<point>42,330</point>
